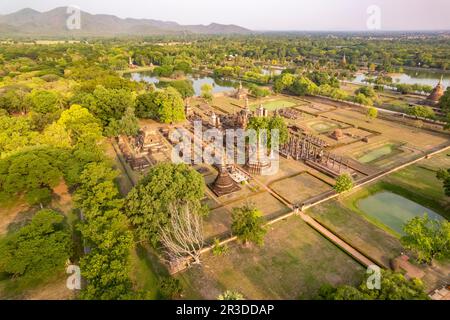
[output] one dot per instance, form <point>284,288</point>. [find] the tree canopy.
<point>38,250</point>
<point>34,173</point>
<point>343,183</point>
<point>165,105</point>
<point>248,224</point>
<point>393,286</point>
<point>428,238</point>
<point>147,205</point>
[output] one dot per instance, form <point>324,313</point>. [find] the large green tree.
<point>128,125</point>
<point>165,105</point>
<point>444,104</point>
<point>343,183</point>
<point>14,101</point>
<point>107,104</point>
<point>184,87</point>
<point>105,232</point>
<point>33,172</point>
<point>428,238</point>
<point>147,205</point>
<point>248,224</point>
<point>38,250</point>
<point>16,133</point>
<point>268,124</point>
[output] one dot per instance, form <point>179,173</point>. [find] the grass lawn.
<point>357,231</point>
<point>300,187</point>
<point>294,263</point>
<point>274,105</point>
<point>146,271</point>
<point>377,153</point>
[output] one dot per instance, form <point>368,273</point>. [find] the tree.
<point>170,287</point>
<point>105,232</point>
<point>45,107</point>
<point>128,125</point>
<point>145,107</point>
<point>372,113</point>
<point>81,125</point>
<point>183,235</point>
<point>367,91</point>
<point>444,102</point>
<point>34,173</point>
<point>343,183</point>
<point>38,250</point>
<point>283,82</point>
<point>107,104</point>
<point>393,286</point>
<point>147,205</point>
<point>421,111</point>
<point>362,99</point>
<point>206,92</point>
<point>184,87</point>
<point>259,92</point>
<point>16,133</point>
<point>43,101</point>
<point>165,105</point>
<point>428,238</point>
<point>278,123</point>
<point>14,101</point>
<point>274,123</point>
<point>444,176</point>
<point>248,224</point>
<point>303,86</point>
<point>230,295</point>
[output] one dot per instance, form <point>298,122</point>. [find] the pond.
<point>197,82</point>
<point>274,105</point>
<point>218,86</point>
<point>144,76</point>
<point>430,78</point>
<point>393,210</point>
<point>377,153</point>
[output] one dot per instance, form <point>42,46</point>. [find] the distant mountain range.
<point>29,22</point>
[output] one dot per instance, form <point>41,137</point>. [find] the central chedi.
<point>224,184</point>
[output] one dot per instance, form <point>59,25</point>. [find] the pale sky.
<point>329,15</point>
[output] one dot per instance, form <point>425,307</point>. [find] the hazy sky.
<point>265,14</point>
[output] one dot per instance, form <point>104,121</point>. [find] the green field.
<point>377,153</point>
<point>274,105</point>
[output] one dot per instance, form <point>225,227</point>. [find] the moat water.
<point>394,210</point>
<point>197,82</point>
<point>430,78</point>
